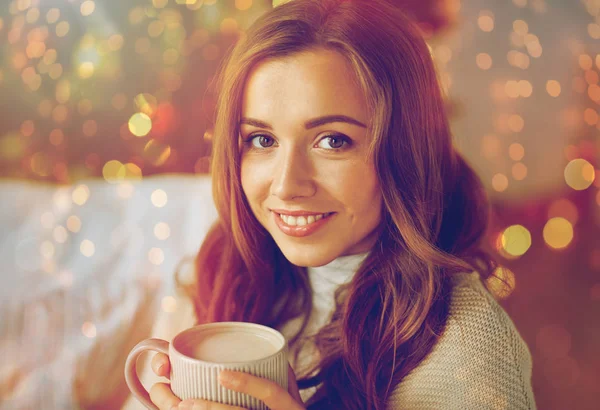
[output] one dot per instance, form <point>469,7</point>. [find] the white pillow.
<point>75,299</point>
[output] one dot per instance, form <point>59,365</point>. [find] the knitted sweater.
<point>480,361</point>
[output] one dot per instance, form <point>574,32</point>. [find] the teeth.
<point>301,220</point>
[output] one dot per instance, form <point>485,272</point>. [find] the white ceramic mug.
<point>198,355</point>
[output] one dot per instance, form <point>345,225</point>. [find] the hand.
<point>275,397</point>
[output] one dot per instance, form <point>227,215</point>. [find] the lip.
<point>300,231</point>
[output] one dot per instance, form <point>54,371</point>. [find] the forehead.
<point>310,83</point>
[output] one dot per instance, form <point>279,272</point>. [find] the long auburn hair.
<point>435,211</point>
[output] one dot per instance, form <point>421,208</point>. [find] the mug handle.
<point>131,376</point>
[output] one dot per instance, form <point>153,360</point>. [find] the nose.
<point>292,176</point>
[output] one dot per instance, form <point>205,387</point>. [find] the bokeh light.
<point>516,240</point>
<point>579,174</point>
<point>558,233</point>
<point>140,124</point>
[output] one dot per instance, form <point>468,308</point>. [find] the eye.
<point>263,141</point>
<point>335,142</point>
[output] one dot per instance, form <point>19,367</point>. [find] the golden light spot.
<point>47,220</point>
<point>87,248</point>
<point>140,124</point>
<point>63,91</point>
<point>162,231</point>
<point>32,15</point>
<point>500,182</point>
<point>60,234</point>
<point>502,283</point>
<point>159,198</point>
<point>169,304</point>
<point>146,103</point>
<point>520,27</point>
<point>132,171</point>
<point>553,88</point>
<point>594,92</point>
<point>155,28</point>
<point>516,151</point>
<point>512,89</point>
<point>50,56</point>
<point>243,4</point>
<point>142,45</point>
<point>156,256</point>
<point>90,127</point>
<point>113,171</point>
<point>89,330</point>
<point>564,208</point>
<point>35,49</point>
<point>170,56</point>
<point>52,15</point>
<point>519,171</point>
<point>125,190</point>
<point>40,164</point>
<point>525,88</point>
<point>590,116</point>
<point>81,194</point>
<point>55,71</point>
<point>516,123</point>
<point>86,70</point>
<point>579,174</point>
<point>87,7</point>
<point>62,29</point>
<point>159,4</point>
<point>115,42</point>
<point>229,25</point>
<point>484,61</point>
<point>156,152</point>
<point>558,233</point>
<point>585,62</point>
<point>27,128</point>
<point>119,101</point>
<point>56,137</point>
<point>518,59</point>
<point>520,3</point>
<point>516,240</point>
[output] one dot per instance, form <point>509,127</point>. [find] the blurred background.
<point>106,93</point>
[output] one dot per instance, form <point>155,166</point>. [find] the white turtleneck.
<point>324,280</point>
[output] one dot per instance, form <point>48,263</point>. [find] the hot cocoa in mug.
<point>198,355</point>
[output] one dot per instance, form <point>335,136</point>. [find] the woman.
<point>332,109</point>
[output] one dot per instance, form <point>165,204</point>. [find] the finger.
<point>205,405</point>
<point>293,385</point>
<point>162,396</point>
<point>272,394</point>
<point>161,365</point>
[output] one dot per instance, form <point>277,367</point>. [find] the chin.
<point>308,258</point>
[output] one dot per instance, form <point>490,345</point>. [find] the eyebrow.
<point>315,122</point>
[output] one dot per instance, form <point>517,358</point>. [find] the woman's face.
<point>295,159</point>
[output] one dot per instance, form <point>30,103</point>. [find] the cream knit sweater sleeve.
<point>480,362</point>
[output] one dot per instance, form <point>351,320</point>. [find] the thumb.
<point>293,385</point>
